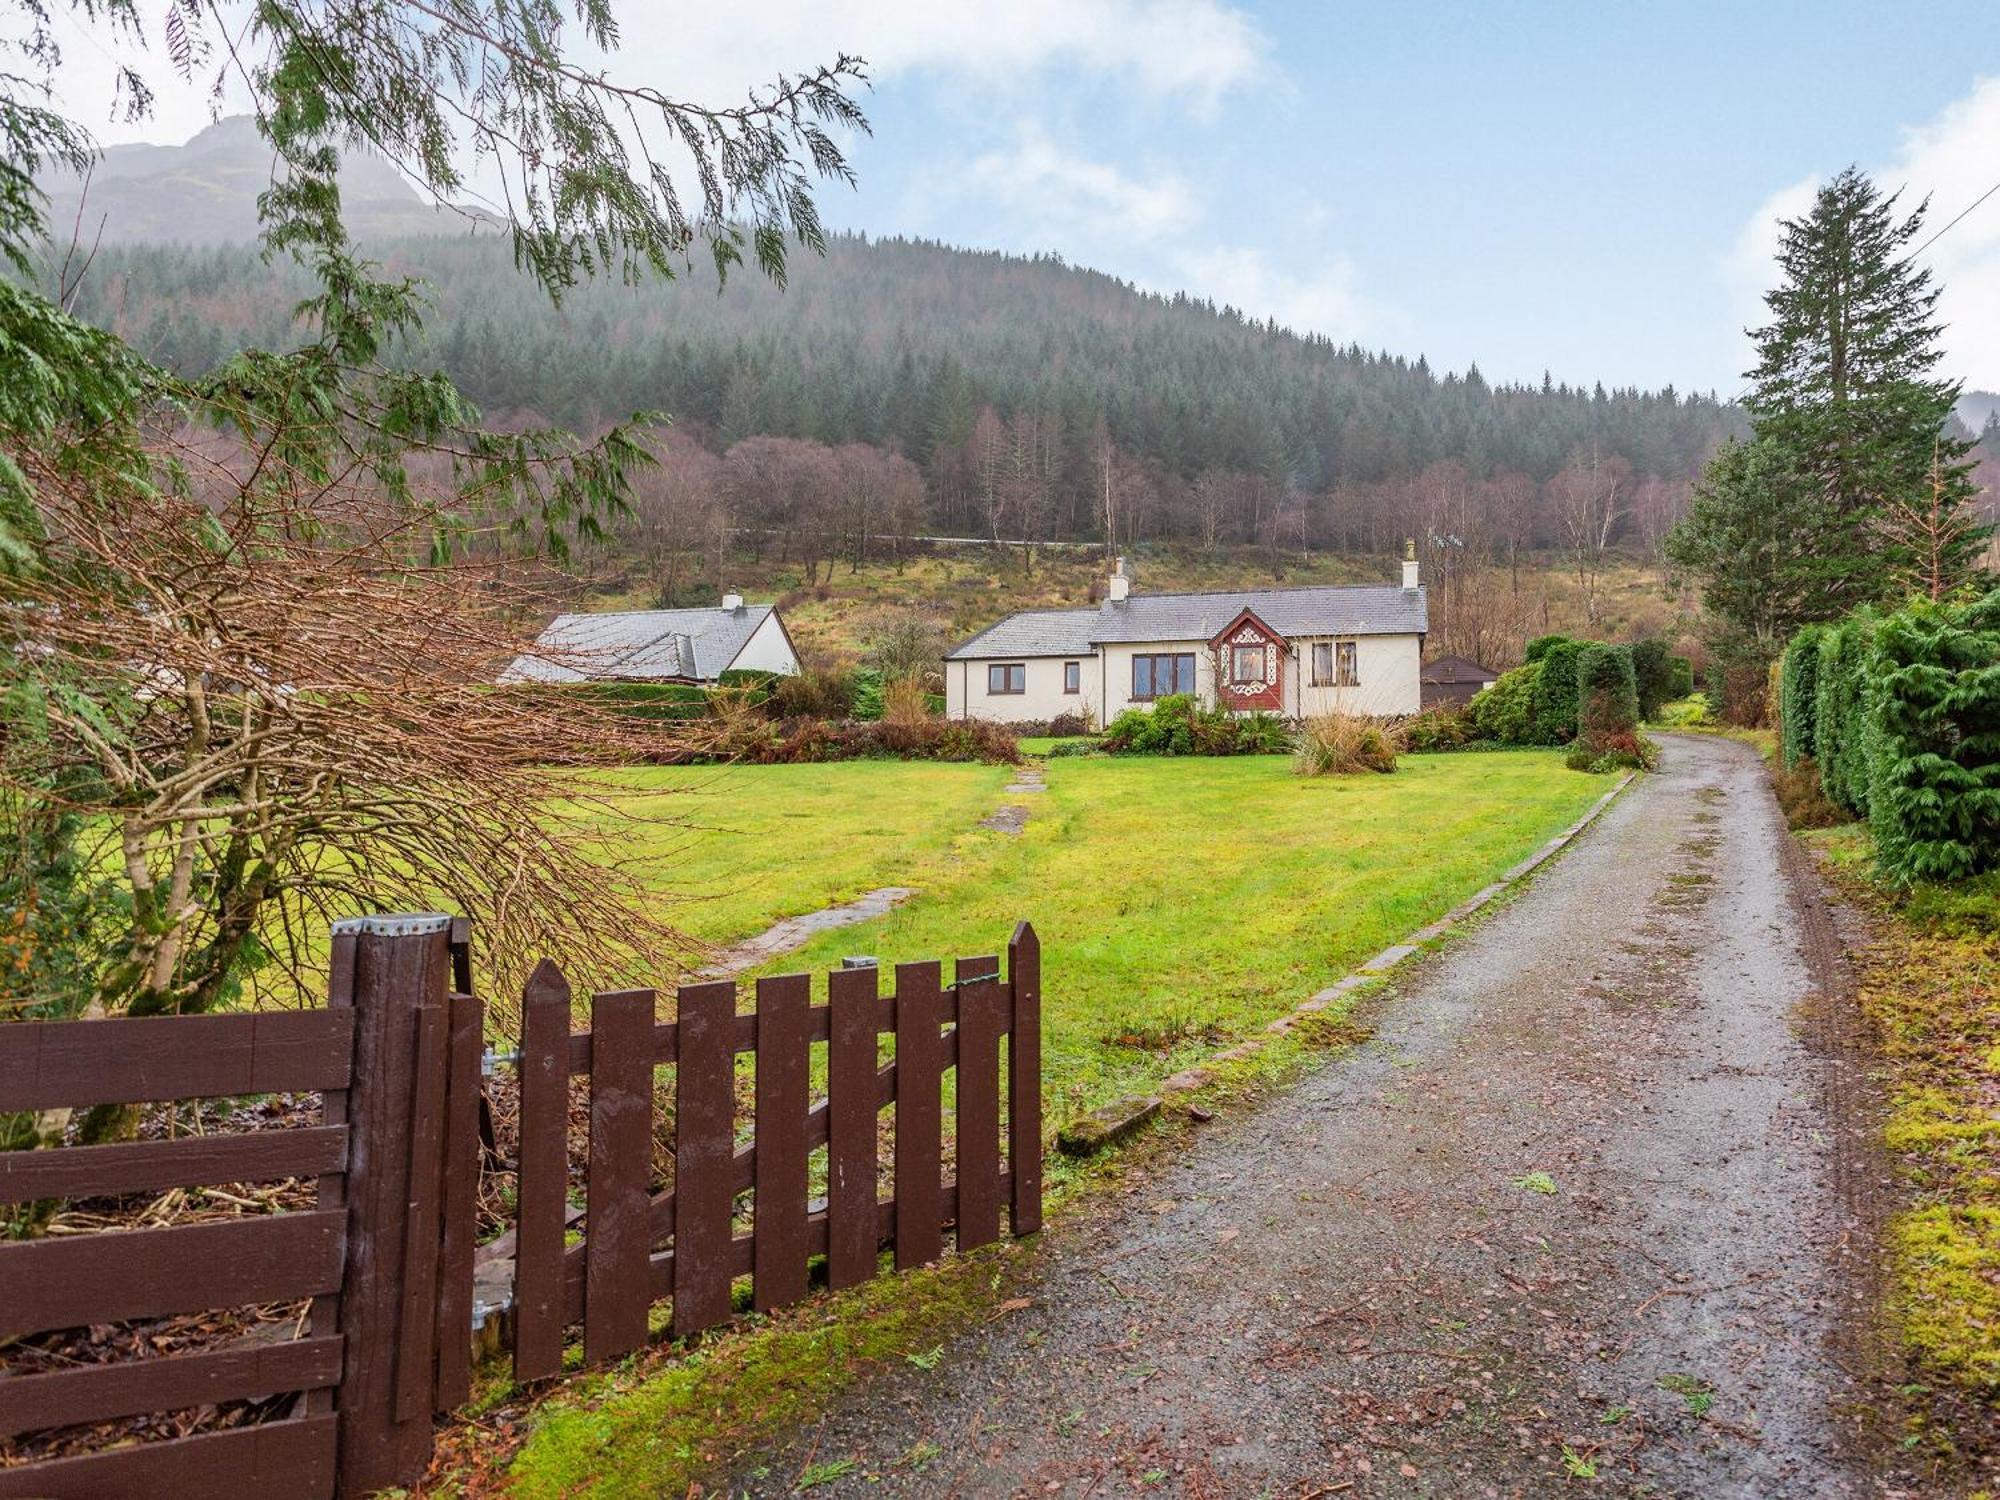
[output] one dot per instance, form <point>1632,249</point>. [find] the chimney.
<point>1410,564</point>
<point>732,602</point>
<point>1118,588</point>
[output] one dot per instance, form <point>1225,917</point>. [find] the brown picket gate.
<point>385,1262</point>
<point>640,1246</point>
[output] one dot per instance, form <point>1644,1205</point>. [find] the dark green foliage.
<point>764,743</point>
<point>899,343</point>
<point>665,701</point>
<point>867,693</point>
<point>1504,714</point>
<point>1653,674</point>
<point>1607,688</point>
<point>1851,488</point>
<point>1798,684</point>
<point>1555,695</point>
<point>1680,677</point>
<point>819,693</point>
<point>1541,645</point>
<point>1180,725</point>
<point>1841,732</point>
<point>1934,794</point>
<point>1443,728</point>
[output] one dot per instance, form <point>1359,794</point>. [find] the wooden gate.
<point>386,1254</point>
<point>742,1207</point>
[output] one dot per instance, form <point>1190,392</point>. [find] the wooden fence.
<point>386,1252</point>
<point>639,1246</point>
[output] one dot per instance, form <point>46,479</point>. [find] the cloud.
<point>1950,159</point>
<point>1325,300</point>
<point>1196,51</point>
<point>1052,193</point>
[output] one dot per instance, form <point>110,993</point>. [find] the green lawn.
<point>1181,903</point>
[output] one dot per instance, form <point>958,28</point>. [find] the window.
<point>1072,677</point>
<point>1157,676</point>
<point>1335,664</point>
<point>1246,664</point>
<point>1006,677</point>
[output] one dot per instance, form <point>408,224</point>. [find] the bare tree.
<point>1588,497</point>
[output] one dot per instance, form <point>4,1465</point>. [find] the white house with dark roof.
<point>1291,651</point>
<point>659,645</point>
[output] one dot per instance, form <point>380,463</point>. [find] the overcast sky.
<point>1584,188</point>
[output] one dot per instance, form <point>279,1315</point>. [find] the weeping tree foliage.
<point>241,642</point>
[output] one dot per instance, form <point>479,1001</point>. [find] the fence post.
<point>394,971</point>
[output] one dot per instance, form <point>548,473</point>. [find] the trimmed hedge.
<point>1505,712</point>
<point>1902,715</point>
<point>1653,675</point>
<point>669,702</point>
<point>1555,694</point>
<point>1607,689</point>
<point>1798,685</point>
<point>1934,706</point>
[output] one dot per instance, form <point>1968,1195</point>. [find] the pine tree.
<point>1845,380</point>
<point>1851,488</point>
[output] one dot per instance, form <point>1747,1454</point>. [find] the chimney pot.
<point>1118,588</point>
<point>1410,564</point>
<point>732,602</point>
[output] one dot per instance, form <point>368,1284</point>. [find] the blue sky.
<point>1583,188</point>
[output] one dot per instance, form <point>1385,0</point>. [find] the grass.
<point>1930,986</point>
<point>1181,904</point>
<point>751,844</point>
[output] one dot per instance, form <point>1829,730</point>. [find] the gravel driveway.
<point>1587,1207</point>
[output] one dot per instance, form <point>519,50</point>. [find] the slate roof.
<point>1451,669</point>
<point>639,645</point>
<point>1365,609</point>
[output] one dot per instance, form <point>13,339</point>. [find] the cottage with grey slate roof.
<point>659,645</point>
<point>1296,652</point>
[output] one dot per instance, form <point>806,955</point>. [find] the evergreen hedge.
<point>1555,692</point>
<point>1505,712</point>
<point>1934,792</point>
<point>1798,684</point>
<point>1607,687</point>
<point>1653,675</point>
<point>1840,735</point>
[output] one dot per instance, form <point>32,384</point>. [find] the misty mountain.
<point>205,193</point>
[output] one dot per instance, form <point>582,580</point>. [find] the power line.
<point>1954,223</point>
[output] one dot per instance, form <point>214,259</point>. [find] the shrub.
<point>1652,675</point>
<point>1179,725</point>
<point>867,700</point>
<point>1841,734</point>
<point>1075,747</point>
<point>1504,713</point>
<point>1339,744</point>
<point>817,694</point>
<point>1555,696</point>
<point>1065,726</point>
<point>904,701</point>
<point>1680,677</point>
<point>1690,711</point>
<point>761,742</point>
<point>1442,728</point>
<point>1934,712</point>
<point>1540,646</point>
<point>664,701</point>
<point>1607,692</point>
<point>1801,797</point>
<point>1627,750</point>
<point>1798,680</point>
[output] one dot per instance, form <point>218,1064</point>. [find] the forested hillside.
<point>1033,396</point>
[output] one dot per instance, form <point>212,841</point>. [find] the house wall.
<point>768,650</point>
<point>1117,668</point>
<point>965,695</point>
<point>1390,669</point>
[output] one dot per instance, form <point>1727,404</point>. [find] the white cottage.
<point>1295,652</point>
<point>660,645</point>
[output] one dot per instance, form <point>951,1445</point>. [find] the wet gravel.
<point>1588,1206</point>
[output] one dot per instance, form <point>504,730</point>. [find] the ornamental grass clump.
<point>1342,744</point>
